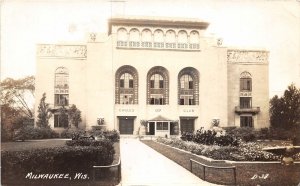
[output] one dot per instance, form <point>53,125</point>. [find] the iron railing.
<point>214,167</point>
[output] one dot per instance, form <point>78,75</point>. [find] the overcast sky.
<point>270,24</point>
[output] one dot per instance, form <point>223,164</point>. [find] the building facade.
<point>160,72</point>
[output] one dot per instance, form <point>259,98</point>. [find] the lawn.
<point>51,143</point>
<point>247,173</point>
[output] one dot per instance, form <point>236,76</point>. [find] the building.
<point>162,72</point>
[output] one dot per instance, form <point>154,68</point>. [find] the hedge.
<point>63,160</point>
<point>29,132</point>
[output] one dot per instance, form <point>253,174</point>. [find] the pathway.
<point>141,165</point>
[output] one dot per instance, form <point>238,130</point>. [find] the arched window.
<point>61,95</point>
<point>126,85</point>
<point>182,39</point>
<point>122,37</point>
<point>61,87</point>
<point>158,39</point>
<point>194,40</point>
<point>134,38</point>
<point>122,34</point>
<point>158,86</point>
<point>245,81</point>
<point>146,38</point>
<point>188,86</point>
<point>170,39</point>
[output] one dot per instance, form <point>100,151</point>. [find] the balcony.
<point>252,110</point>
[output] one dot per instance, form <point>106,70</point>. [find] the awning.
<point>160,118</point>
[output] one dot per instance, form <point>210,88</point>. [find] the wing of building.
<point>159,72</point>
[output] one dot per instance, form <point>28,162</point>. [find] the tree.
<point>74,115</point>
<point>285,111</point>
<point>63,116</point>
<point>19,94</point>
<point>44,113</point>
<point>16,100</point>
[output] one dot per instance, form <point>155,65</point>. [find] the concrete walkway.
<point>141,165</point>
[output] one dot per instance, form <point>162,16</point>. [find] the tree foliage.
<point>44,113</point>
<point>63,116</point>
<point>285,110</point>
<point>19,94</point>
<point>74,115</point>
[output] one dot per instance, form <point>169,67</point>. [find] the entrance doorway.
<point>126,125</point>
<point>151,128</point>
<point>187,125</point>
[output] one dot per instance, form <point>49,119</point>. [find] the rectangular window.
<point>61,99</point>
<point>246,121</point>
<point>161,83</point>
<point>246,84</point>
<point>130,83</point>
<point>157,100</point>
<point>186,100</point>
<point>190,85</point>
<point>245,102</point>
<point>58,123</point>
<point>151,83</point>
<point>162,126</point>
<point>122,83</point>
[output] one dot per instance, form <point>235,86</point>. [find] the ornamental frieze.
<point>62,51</point>
<point>247,56</point>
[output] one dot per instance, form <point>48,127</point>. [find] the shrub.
<point>244,133</point>
<point>69,133</point>
<point>112,135</point>
<point>68,159</point>
<point>209,137</point>
<point>29,132</point>
<point>94,143</point>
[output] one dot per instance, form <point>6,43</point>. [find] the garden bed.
<point>248,173</point>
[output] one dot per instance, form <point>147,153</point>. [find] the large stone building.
<point>160,71</point>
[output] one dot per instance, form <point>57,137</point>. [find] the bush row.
<point>250,134</point>
<point>244,152</point>
<point>210,137</point>
<point>88,142</point>
<point>29,132</point>
<point>112,135</point>
<point>69,159</point>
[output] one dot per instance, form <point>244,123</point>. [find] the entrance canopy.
<point>161,118</point>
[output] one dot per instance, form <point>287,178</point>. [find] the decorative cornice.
<point>247,56</point>
<point>61,51</point>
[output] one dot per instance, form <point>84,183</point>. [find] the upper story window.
<point>61,86</point>
<point>158,86</point>
<point>188,83</point>
<point>156,81</point>
<point>245,82</point>
<point>126,81</point>
<point>126,85</point>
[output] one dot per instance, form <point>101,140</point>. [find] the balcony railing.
<point>158,45</point>
<point>253,110</point>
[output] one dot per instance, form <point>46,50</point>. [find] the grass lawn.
<point>247,174</point>
<point>34,144</point>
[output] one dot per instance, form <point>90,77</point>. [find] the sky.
<point>273,25</point>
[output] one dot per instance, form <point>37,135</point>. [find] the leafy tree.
<point>63,116</point>
<point>285,110</point>
<point>16,100</point>
<point>19,94</point>
<point>44,113</point>
<point>74,115</point>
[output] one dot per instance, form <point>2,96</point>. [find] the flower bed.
<point>244,152</point>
